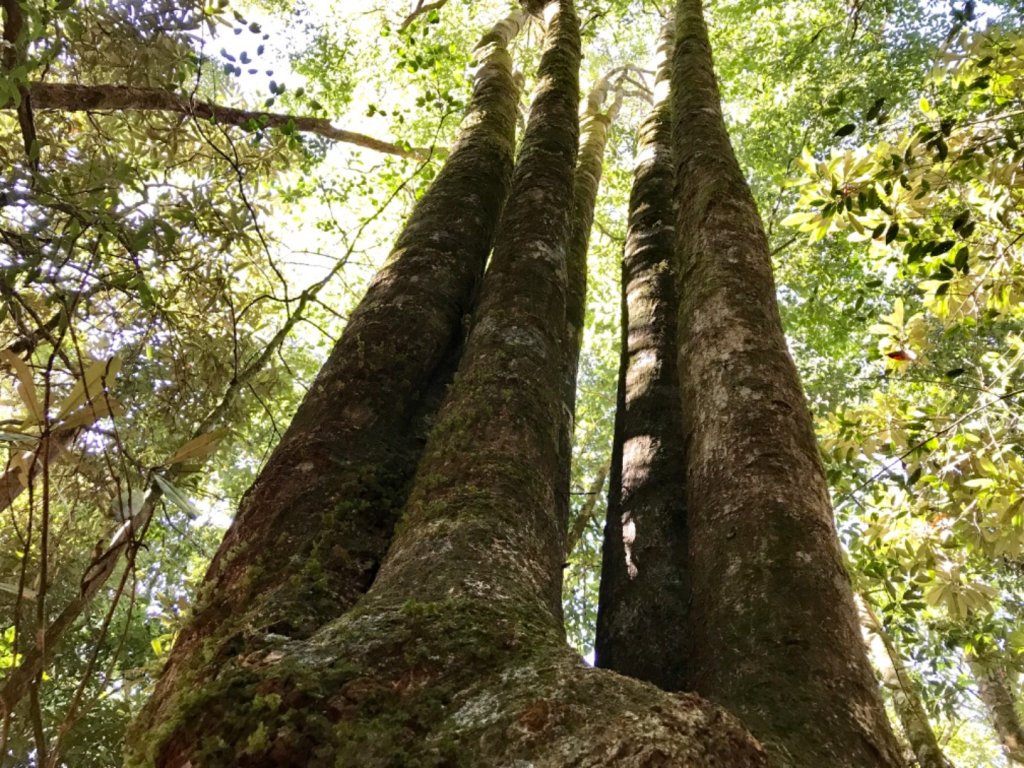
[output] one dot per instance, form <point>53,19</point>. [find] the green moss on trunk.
<point>310,534</point>
<point>642,610</point>
<point>776,636</point>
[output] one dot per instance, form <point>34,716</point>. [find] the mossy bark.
<point>996,692</point>
<point>642,609</point>
<point>904,690</point>
<point>596,120</point>
<point>456,656</point>
<point>595,124</point>
<point>310,533</point>
<point>776,638</point>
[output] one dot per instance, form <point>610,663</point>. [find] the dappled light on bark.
<point>785,656</point>
<point>642,614</point>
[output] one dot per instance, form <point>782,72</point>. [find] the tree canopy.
<point>195,196</point>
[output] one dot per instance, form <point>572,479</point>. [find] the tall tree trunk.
<point>457,655</point>
<point>594,128</point>
<point>776,638</point>
<point>311,531</point>
<point>996,692</point>
<point>906,696</point>
<point>595,125</point>
<point>641,618</point>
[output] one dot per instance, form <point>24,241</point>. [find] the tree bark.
<point>642,608</point>
<point>457,654</point>
<point>906,696</point>
<point>594,128</point>
<point>130,537</point>
<point>72,97</point>
<point>15,45</point>
<point>311,531</point>
<point>776,638</point>
<point>996,692</point>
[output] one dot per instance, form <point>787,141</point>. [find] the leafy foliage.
<point>169,285</point>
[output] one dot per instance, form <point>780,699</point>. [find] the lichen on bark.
<point>996,692</point>
<point>641,620</point>
<point>775,632</point>
<point>311,531</point>
<point>457,656</point>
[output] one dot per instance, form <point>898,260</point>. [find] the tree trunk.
<point>131,536</point>
<point>641,619</point>
<point>594,128</point>
<point>776,638</point>
<point>311,531</point>
<point>996,692</point>
<point>906,696</point>
<point>457,656</point>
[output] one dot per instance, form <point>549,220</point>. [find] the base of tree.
<point>456,683</point>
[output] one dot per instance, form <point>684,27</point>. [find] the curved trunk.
<point>311,531</point>
<point>456,656</point>
<point>775,632</point>
<point>906,696</point>
<point>642,610</point>
<point>996,692</point>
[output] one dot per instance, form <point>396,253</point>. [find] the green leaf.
<point>845,130</point>
<point>875,109</point>
<point>175,496</point>
<point>961,260</point>
<point>199,447</point>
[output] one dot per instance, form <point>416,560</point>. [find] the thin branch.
<point>421,9</point>
<point>70,97</point>
<point>887,468</point>
<point>586,514</point>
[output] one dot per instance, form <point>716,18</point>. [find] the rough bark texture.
<point>594,128</point>
<point>72,97</point>
<point>311,531</point>
<point>456,656</point>
<point>996,692</point>
<point>776,638</point>
<point>642,609</point>
<point>131,536</point>
<point>906,696</point>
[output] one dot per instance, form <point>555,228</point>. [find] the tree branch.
<point>421,9</point>
<point>71,97</point>
<point>13,54</point>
